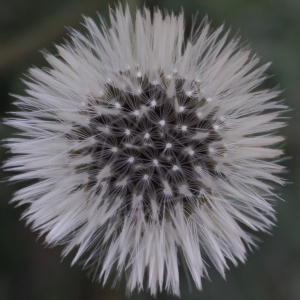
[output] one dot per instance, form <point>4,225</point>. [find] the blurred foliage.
<point>29,271</point>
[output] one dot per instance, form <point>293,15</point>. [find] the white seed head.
<point>144,144</point>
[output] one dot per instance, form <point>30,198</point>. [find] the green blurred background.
<point>29,271</point>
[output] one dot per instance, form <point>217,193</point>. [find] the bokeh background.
<point>29,271</point>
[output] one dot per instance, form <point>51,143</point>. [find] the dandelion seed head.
<point>144,146</point>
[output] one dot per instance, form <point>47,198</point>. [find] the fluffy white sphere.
<point>145,144</point>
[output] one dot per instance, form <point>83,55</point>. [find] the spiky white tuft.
<point>144,145</point>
